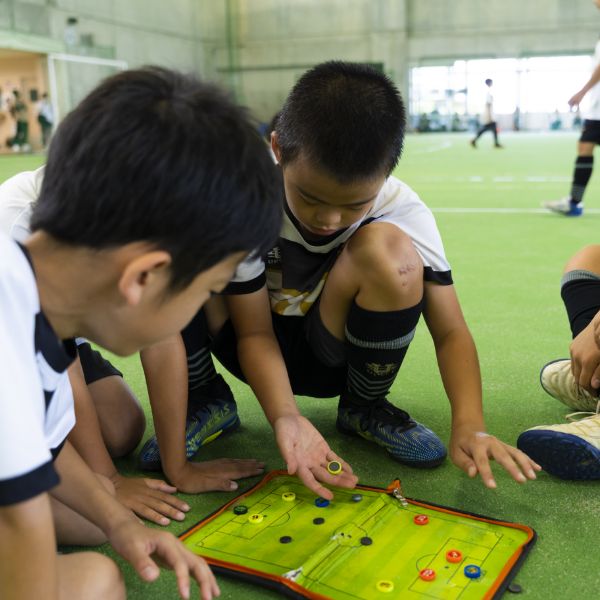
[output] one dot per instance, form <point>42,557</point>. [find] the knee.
<point>122,419</point>
<point>587,259</point>
<point>124,437</point>
<point>387,258</point>
<point>106,580</point>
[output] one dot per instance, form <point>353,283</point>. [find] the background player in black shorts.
<point>572,205</point>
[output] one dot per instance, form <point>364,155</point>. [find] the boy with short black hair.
<point>110,421</point>
<point>333,307</point>
<point>156,187</point>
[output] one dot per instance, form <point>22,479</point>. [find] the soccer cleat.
<point>212,412</point>
<point>565,206</point>
<point>568,451</point>
<point>557,380</point>
<point>406,440</point>
<point>473,143</point>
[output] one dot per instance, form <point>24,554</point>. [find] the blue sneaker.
<point>212,412</point>
<point>381,422</point>
<point>568,451</point>
<point>565,206</point>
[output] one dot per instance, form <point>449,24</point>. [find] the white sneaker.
<point>564,206</point>
<point>557,380</point>
<point>568,451</point>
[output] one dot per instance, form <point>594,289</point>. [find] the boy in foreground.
<point>333,307</point>
<point>156,187</point>
<point>109,419</point>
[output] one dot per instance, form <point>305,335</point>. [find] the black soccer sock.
<point>580,291</point>
<point>376,344</point>
<point>581,176</point>
<point>201,369</point>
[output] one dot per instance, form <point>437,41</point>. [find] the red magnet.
<point>453,556</point>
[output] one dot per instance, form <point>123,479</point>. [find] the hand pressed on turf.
<point>150,499</point>
<point>214,475</point>
<point>307,454</point>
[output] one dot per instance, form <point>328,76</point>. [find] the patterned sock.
<point>201,369</point>
<point>581,175</point>
<point>376,345</point>
<point>580,291</point>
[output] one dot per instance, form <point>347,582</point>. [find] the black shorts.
<point>308,375</point>
<point>590,131</point>
<point>94,365</point>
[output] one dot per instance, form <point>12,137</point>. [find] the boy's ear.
<point>142,274</point>
<point>275,147</point>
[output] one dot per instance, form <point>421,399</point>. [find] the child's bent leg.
<point>580,288</point>
<point>373,300</point>
<point>72,529</point>
<point>379,269</point>
<point>580,291</point>
<point>120,414</point>
<point>89,575</point>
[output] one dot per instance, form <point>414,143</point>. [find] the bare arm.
<point>82,491</point>
<point>28,566</point>
<point>260,356</point>
<point>165,367</point>
<point>576,99</point>
<point>304,450</point>
<point>151,499</point>
<point>470,446</point>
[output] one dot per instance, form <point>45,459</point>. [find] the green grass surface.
<point>507,268</point>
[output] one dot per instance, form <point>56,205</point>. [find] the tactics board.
<point>367,543</point>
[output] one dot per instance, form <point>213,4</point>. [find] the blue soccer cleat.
<point>568,451</point>
<point>565,206</point>
<point>212,412</point>
<point>381,422</point>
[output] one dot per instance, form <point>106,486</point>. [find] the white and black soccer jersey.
<point>17,197</point>
<point>593,96</point>
<point>36,401</point>
<point>295,270</point>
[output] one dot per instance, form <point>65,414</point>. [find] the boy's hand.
<point>140,545</point>
<point>150,499</point>
<point>214,475</point>
<point>306,454</point>
<point>472,450</point>
<point>585,357</point>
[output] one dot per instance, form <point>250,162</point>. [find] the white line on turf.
<point>498,210</point>
<point>435,148</point>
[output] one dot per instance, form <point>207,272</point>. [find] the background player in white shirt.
<point>131,235</point>
<point>489,123</point>
<point>572,205</point>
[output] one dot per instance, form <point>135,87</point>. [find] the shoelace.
<point>388,414</point>
<point>579,416</point>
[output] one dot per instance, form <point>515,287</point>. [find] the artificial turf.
<point>506,267</point>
